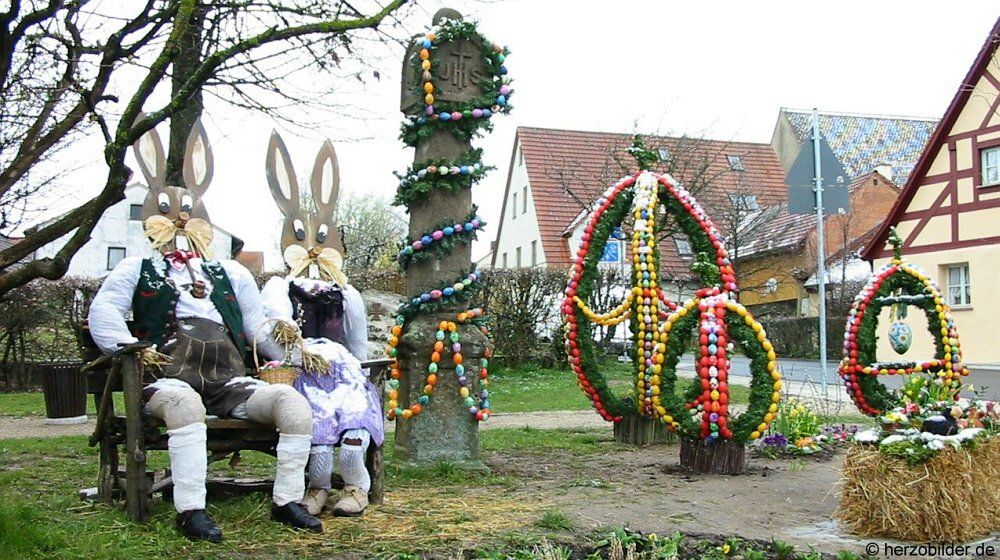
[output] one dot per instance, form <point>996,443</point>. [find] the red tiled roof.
<point>567,169</point>
<point>775,230</point>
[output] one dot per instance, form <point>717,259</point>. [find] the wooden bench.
<point>133,434</point>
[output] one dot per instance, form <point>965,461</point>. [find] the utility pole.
<point>821,250</point>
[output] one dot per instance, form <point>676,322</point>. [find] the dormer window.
<point>683,247</point>
<point>744,202</point>
<point>735,163</point>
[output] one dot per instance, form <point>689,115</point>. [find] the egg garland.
<point>897,283</point>
<point>446,338</point>
<point>441,239</point>
<point>439,174</point>
<point>464,119</point>
<point>703,414</point>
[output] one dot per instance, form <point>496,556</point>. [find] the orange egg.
<point>425,54</point>
<point>432,379</point>
<point>457,358</point>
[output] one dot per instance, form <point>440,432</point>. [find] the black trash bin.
<point>65,389</point>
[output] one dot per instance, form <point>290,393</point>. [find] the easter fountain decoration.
<point>713,438</point>
<point>454,81</point>
<point>928,471</point>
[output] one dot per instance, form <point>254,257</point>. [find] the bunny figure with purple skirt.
<point>317,299</point>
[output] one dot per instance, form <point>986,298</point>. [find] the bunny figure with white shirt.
<point>201,315</point>
<point>318,300</point>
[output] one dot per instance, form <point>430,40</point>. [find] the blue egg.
<point>712,349</point>
<point>425,297</point>
<point>426,240</point>
<point>468,226</point>
<point>503,70</point>
<point>445,116</point>
<point>712,338</point>
<point>487,113</point>
<point>427,43</point>
<point>449,230</point>
<point>448,291</point>
<point>464,170</point>
<point>501,100</point>
<point>486,404</point>
<point>424,399</point>
<point>421,174</point>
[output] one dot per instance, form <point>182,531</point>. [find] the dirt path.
<point>644,490</point>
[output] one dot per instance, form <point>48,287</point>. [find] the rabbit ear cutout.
<point>326,181</point>
<point>148,150</point>
<point>199,163</point>
<point>281,176</point>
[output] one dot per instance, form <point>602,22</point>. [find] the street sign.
<point>801,181</point>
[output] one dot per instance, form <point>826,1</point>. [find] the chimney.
<point>885,169</point>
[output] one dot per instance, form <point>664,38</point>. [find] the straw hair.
<point>950,498</point>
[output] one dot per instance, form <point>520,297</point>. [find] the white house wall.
<point>519,228</point>
<point>115,229</point>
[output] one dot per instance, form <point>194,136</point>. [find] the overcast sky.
<point>715,69</point>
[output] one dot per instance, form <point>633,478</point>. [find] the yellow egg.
<point>777,385</point>
<point>754,435</point>
<point>429,99</point>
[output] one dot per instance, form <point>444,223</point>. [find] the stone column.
<point>445,430</point>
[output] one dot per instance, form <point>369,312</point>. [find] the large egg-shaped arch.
<point>895,283</point>
<point>639,198</point>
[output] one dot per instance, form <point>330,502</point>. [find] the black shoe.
<point>296,515</point>
<point>196,525</point>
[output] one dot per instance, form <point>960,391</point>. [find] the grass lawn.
<point>33,404</point>
<point>427,509</point>
<point>531,389</point>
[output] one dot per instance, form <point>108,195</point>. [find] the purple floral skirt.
<point>342,400</point>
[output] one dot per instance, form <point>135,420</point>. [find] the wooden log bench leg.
<point>136,489</point>
<point>376,470</point>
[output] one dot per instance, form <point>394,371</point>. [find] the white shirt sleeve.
<point>355,323</point>
<point>277,304</point>
<point>112,303</point>
<point>252,308</point>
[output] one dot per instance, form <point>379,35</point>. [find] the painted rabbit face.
<point>170,211</point>
<point>309,228</point>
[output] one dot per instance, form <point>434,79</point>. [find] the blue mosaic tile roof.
<point>862,142</point>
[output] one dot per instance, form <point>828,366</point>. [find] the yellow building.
<point>948,215</point>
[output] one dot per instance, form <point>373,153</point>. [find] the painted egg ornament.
<point>900,337</point>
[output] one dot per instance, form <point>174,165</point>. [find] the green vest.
<point>155,301</point>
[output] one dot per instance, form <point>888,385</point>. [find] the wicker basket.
<point>284,375</point>
<point>280,375</point>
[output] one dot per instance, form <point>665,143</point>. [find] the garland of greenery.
<point>441,240</point>
<point>417,182</point>
<point>858,367</point>
<point>463,121</point>
<point>466,119</point>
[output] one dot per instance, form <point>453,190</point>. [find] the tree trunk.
<point>718,457</point>
<point>188,59</point>
<point>639,430</point>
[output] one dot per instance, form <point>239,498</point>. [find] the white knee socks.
<point>352,460</point>
<point>320,466</point>
<point>188,465</point>
<point>289,480</point>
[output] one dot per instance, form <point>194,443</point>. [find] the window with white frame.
<point>534,253</point>
<point>513,208</point>
<point>990,163</point>
<point>517,258</point>
<point>504,261</point>
<point>524,199</point>
<point>959,286</point>
<point>135,212</point>
<point>115,255</point>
